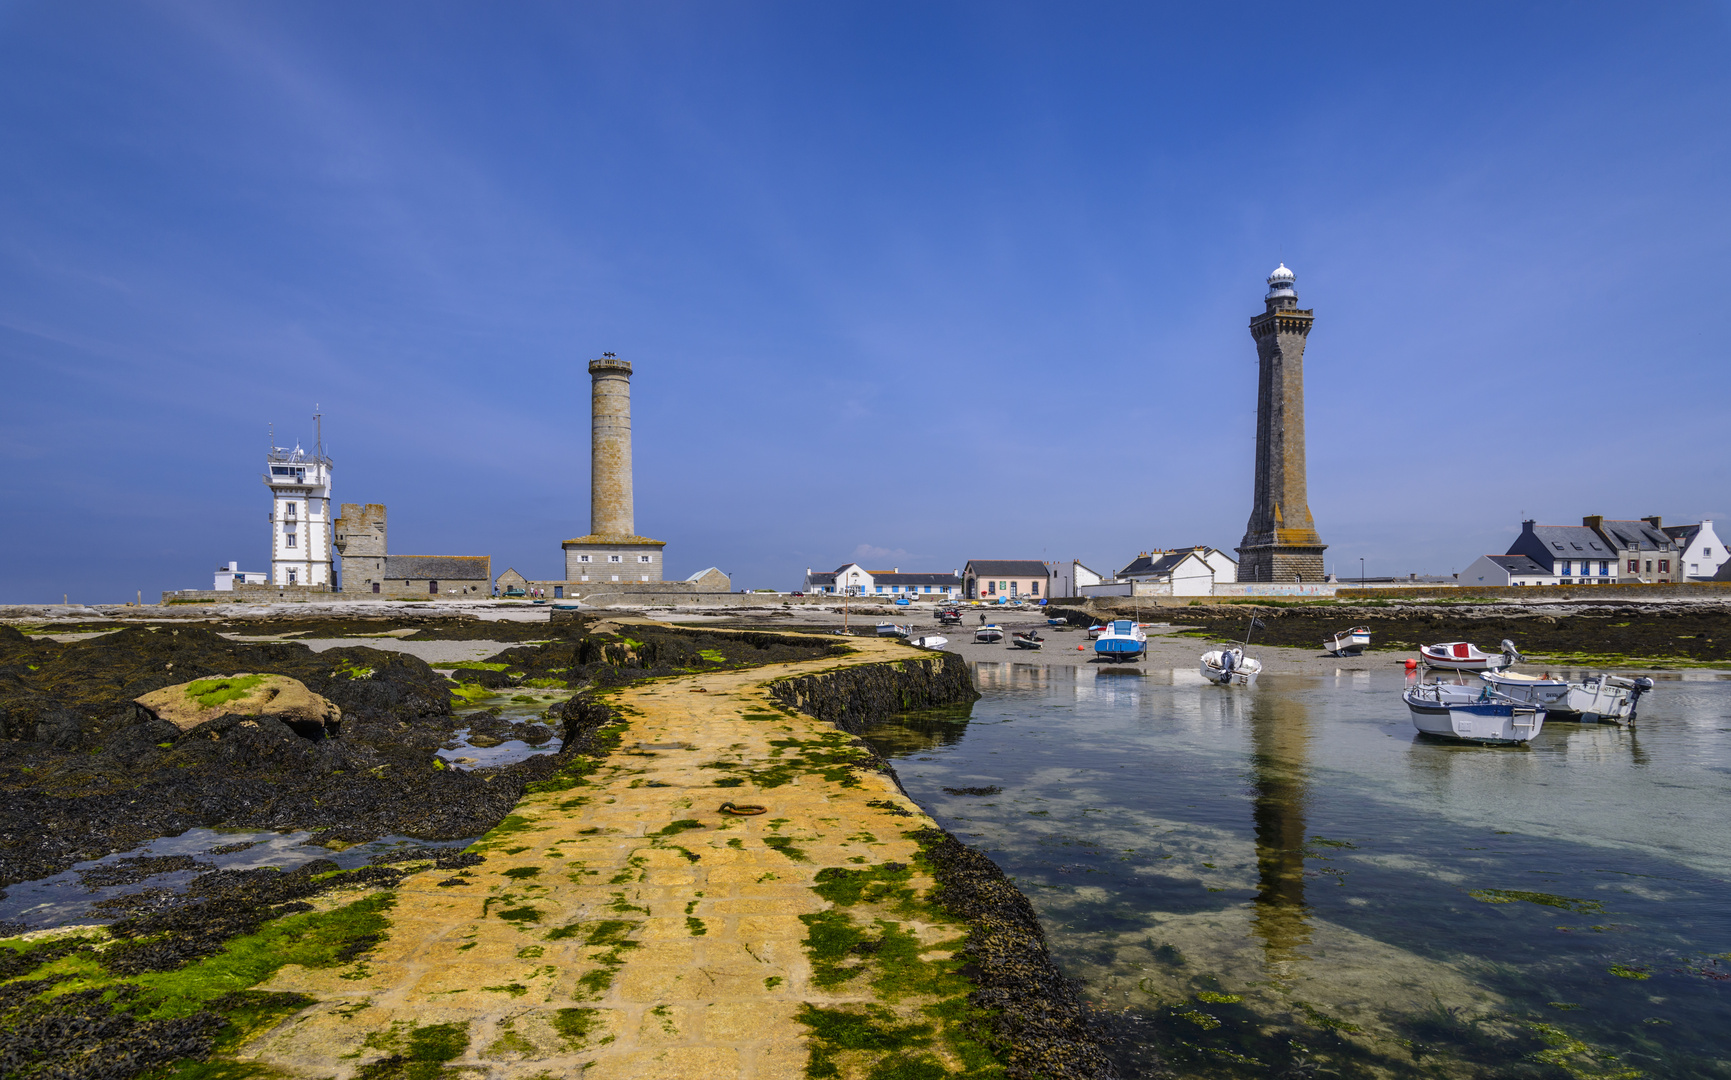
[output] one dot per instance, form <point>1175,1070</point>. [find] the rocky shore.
<point>610,918</point>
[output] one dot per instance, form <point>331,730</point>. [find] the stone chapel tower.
<point>1280,543</point>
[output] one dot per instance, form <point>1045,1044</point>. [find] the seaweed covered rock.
<point>852,698</point>
<point>276,697</point>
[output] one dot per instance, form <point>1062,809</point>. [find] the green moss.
<point>695,926</point>
<point>885,883</point>
<point>677,827</point>
<point>576,1025</point>
<point>415,1052</point>
<point>714,656</point>
<point>520,873</point>
<point>1622,972</point>
<point>610,932</point>
<point>515,989</point>
<point>832,938</point>
<point>873,1029</point>
<point>787,847</point>
<point>1219,999</point>
<point>1510,896</point>
<point>313,939</point>
<point>209,692</point>
<point>1201,1019</point>
<point>729,781</point>
<point>521,914</point>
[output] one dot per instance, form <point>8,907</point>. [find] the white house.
<point>1506,570</point>
<point>1700,552</point>
<point>852,579</point>
<point>300,519</point>
<point>227,577</point>
<point>1185,571</point>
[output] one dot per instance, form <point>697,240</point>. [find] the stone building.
<point>367,569</point>
<point>511,583</point>
<point>1280,542</point>
<point>1644,551</point>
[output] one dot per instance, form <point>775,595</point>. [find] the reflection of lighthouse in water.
<point>1279,748</point>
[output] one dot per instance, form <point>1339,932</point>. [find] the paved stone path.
<point>625,927</point>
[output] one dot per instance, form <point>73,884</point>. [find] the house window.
<point>1634,566</point>
<point>289,509</point>
<point>991,588</point>
<point>1567,568</point>
<point>288,539</point>
<point>375,586</point>
<point>615,558</point>
<point>583,558</point>
<point>1604,568</point>
<point>645,558</point>
<point>1034,588</point>
<point>1649,566</point>
<point>291,577</point>
<point>615,577</point>
<point>1706,552</point>
<point>1664,566</point>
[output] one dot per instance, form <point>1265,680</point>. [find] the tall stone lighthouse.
<point>1280,543</point>
<point>612,553</point>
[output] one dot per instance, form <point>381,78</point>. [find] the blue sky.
<point>909,283</point>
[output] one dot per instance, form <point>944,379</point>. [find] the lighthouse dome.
<point>1281,276</point>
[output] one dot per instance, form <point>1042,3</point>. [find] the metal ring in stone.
<point>743,811</point>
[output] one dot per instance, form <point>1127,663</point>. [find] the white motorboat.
<point>1348,642</point>
<point>1465,656</point>
<point>1230,667</point>
<point>1121,639</point>
<point>989,634</point>
<point>930,641</point>
<point>1454,712</point>
<point>890,629</point>
<point>1029,640</point>
<point>1096,630</point>
<point>1595,699</point>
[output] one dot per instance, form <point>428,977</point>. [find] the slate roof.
<point>1682,535</point>
<point>1517,564</point>
<point>947,580</point>
<point>1545,544</point>
<point>1724,573</point>
<point>439,567</point>
<point>822,579</point>
<point>1636,536</point>
<point>1008,567</point>
<point>1157,563</point>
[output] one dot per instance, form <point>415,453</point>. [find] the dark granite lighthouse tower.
<point>1280,543</point>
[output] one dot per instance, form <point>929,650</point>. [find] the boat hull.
<point>988,635</point>
<point>1115,649</point>
<point>1499,723</point>
<point>1351,643</point>
<point>1243,671</point>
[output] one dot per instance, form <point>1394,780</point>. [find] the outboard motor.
<point>1513,654</point>
<point>1228,661</point>
<point>1642,685</point>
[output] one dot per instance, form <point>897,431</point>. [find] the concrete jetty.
<point>623,926</point>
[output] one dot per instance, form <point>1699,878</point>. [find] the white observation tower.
<point>300,517</point>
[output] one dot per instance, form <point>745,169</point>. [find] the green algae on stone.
<point>1511,896</point>
<point>576,1025</point>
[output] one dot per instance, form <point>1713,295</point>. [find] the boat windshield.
<point>1121,626</point>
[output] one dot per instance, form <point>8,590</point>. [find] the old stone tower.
<point>612,552</point>
<point>1280,543</point>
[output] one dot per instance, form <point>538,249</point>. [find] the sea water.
<point>1288,880</point>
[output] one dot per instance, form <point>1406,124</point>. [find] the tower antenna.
<point>318,432</point>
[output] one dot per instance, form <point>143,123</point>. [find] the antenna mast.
<point>318,433</point>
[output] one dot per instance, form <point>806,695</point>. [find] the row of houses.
<point>1191,571</point>
<point>1601,551</point>
<point>981,579</point>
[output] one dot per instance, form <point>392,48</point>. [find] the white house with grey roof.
<point>1700,552</point>
<point>1191,571</point>
<point>1506,570</point>
<point>852,579</point>
<point>1573,554</point>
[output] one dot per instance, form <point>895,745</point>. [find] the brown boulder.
<point>279,697</point>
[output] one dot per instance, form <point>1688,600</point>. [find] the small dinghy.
<point>1348,642</point>
<point>1595,699</point>
<point>989,634</point>
<point>1096,630</point>
<point>890,629</point>
<point>1465,656</point>
<point>1121,639</point>
<point>1029,640</point>
<point>1057,622</point>
<point>1230,667</point>
<point>1455,712</point>
<point>950,618</point>
<point>930,641</point>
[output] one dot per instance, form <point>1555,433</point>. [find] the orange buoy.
<point>1078,648</point>
<point>1411,664</point>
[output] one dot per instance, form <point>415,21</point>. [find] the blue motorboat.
<point>1121,639</point>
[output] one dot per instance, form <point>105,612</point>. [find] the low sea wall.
<point>854,697</point>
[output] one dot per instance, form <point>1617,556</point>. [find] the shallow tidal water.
<point>1288,881</point>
